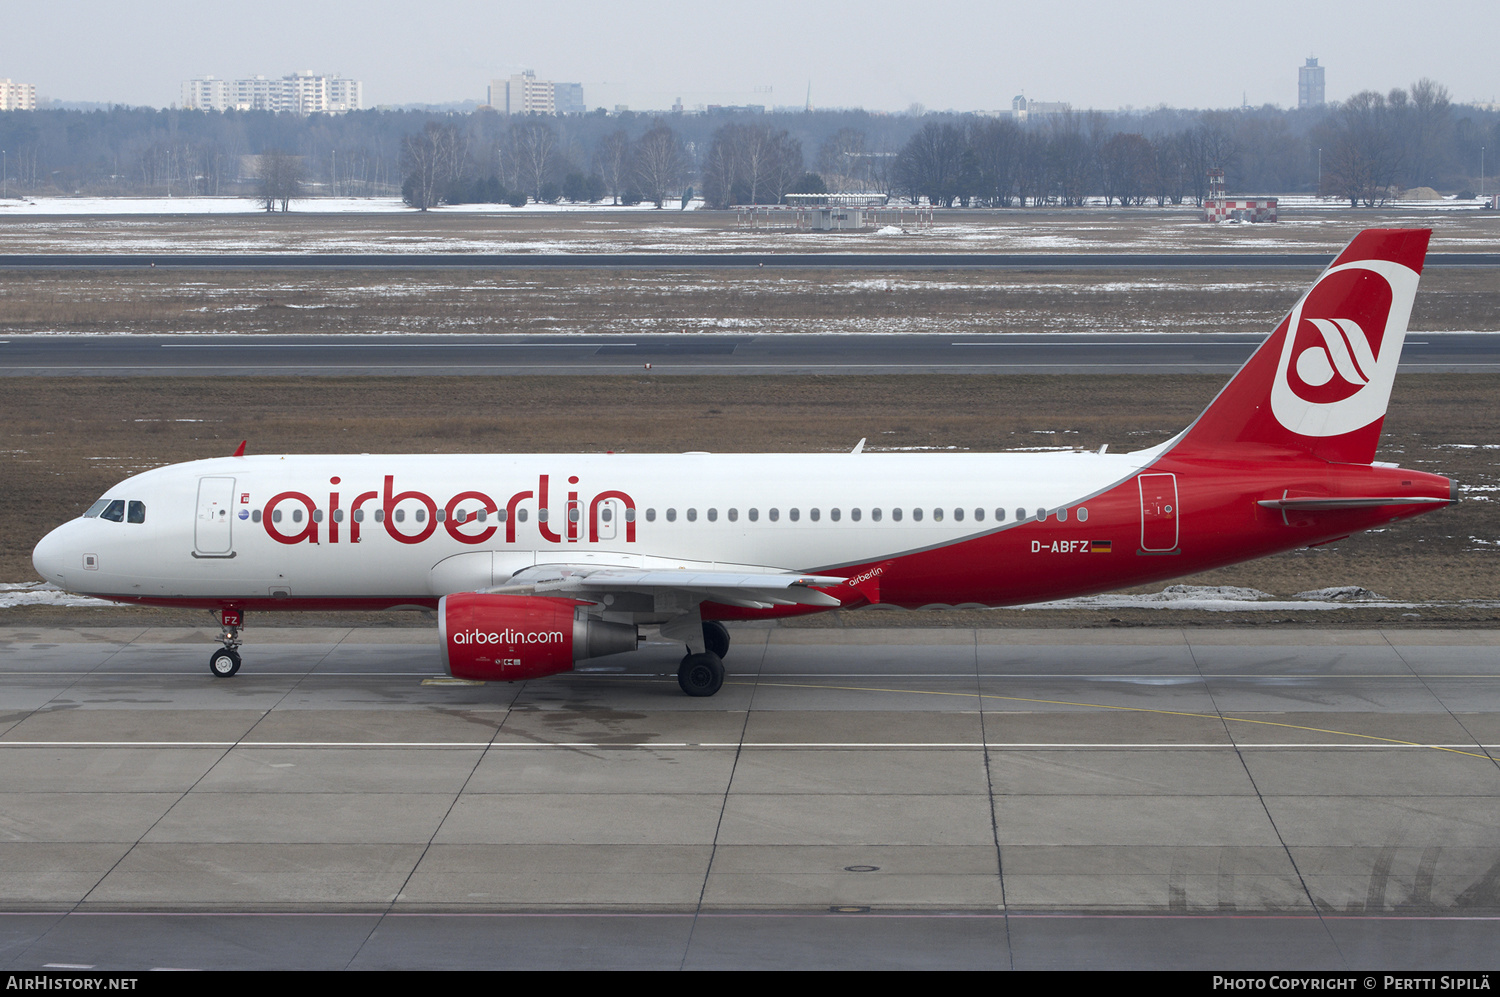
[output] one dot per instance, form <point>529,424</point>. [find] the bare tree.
<point>432,160</point>
<point>280,176</point>
<point>842,160</point>
<point>612,162</point>
<point>1126,164</point>
<point>931,164</point>
<point>750,164</point>
<point>534,150</point>
<point>996,145</point>
<point>1362,150</point>
<point>660,162</point>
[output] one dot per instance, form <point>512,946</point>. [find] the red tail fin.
<point>1322,380</point>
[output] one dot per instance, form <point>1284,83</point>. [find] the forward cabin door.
<point>1158,512</point>
<point>215,520</point>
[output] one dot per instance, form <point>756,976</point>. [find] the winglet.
<point>859,447</point>
<point>239,451</point>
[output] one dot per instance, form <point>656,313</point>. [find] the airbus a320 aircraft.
<point>535,562</point>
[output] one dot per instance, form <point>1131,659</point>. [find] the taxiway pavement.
<point>1207,798</point>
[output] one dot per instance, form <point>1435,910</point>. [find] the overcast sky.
<point>878,54</point>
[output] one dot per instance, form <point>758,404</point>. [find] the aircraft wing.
<point>733,585</point>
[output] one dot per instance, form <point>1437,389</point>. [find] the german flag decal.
<point>1099,546</point>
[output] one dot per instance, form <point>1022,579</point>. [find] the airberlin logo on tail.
<point>1337,365</point>
<point>1342,344</point>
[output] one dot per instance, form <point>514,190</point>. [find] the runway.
<point>1157,798</point>
<point>337,355</point>
<point>694,261</point>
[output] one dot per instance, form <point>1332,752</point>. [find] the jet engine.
<point>508,638</point>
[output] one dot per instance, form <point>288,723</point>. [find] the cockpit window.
<point>137,512</point>
<point>114,512</point>
<point>93,511</point>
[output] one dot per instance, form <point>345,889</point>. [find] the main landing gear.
<point>703,674</point>
<point>226,660</point>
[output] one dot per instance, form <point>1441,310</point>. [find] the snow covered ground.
<point>313,205</point>
<point>343,205</point>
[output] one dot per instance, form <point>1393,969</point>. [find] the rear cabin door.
<point>211,531</point>
<point>1158,512</point>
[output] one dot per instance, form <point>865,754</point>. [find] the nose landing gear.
<point>226,660</point>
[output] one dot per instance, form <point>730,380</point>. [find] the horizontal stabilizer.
<point>1350,502</point>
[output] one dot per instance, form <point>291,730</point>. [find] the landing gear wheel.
<point>716,638</point>
<point>700,674</point>
<point>224,662</point>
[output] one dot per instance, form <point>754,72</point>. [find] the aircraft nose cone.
<point>50,558</point>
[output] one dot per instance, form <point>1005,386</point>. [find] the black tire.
<point>700,674</point>
<point>716,638</point>
<point>224,662</point>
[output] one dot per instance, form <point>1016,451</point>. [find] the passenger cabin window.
<point>1083,515</point>
<point>1062,515</point>
<point>794,514</point>
<point>713,515</point>
<point>937,515</point>
<point>875,515</point>
<point>114,512</point>
<point>854,514</point>
<point>775,514</point>
<point>671,515</point>
<point>650,515</point>
<point>958,515</point>
<point>137,513</point>
<point>754,515</point>
<point>734,515</point>
<point>916,515</point>
<point>254,515</point>
<point>814,514</point>
<point>896,515</point>
<point>978,515</point>
<point>833,514</point>
<point>1020,514</point>
<point>692,515</point>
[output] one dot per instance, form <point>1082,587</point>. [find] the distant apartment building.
<point>299,93</point>
<point>523,93</point>
<point>17,96</point>
<point>1310,84</point>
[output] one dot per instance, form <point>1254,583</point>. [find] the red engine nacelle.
<point>508,638</point>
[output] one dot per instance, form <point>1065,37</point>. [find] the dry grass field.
<point>304,230</point>
<point>604,302</point>
<point>64,441</point>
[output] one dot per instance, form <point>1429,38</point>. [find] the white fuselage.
<point>284,526</point>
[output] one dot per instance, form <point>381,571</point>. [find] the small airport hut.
<point>1217,207</point>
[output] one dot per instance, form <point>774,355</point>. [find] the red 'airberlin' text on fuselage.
<point>464,516</point>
